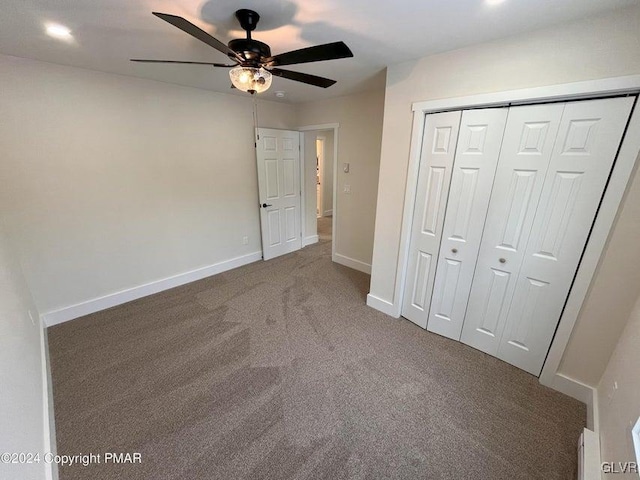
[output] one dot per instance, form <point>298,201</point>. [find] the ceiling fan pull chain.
<point>255,116</point>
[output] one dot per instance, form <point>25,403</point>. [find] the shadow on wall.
<point>274,16</point>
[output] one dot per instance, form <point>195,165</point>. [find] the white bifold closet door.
<point>474,167</point>
<point>526,151</point>
<point>436,161</point>
<point>544,201</point>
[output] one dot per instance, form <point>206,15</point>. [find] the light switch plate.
<point>347,189</point>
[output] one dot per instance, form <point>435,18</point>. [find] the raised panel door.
<point>474,167</point>
<point>436,161</point>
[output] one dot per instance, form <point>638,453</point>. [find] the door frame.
<point>324,126</point>
<point>321,139</point>
<point>614,193</point>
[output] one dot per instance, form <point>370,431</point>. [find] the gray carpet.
<point>278,370</point>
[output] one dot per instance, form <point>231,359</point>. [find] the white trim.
<point>335,127</point>
<point>589,467</point>
<point>411,189</point>
<point>328,213</point>
<point>612,199</point>
<point>322,126</point>
<point>379,304</point>
<point>111,300</point>
<point>351,263</point>
<point>303,203</point>
<point>320,208</point>
<point>310,240</point>
<point>566,91</point>
<point>635,435</point>
<point>48,418</point>
<point>613,196</point>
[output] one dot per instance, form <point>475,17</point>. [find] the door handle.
<point>265,205</point>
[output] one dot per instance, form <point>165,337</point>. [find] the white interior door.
<point>436,161</point>
<point>278,158</point>
<point>524,159</point>
<point>583,155</point>
<point>320,176</point>
<point>474,168</point>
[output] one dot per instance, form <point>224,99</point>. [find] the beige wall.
<point>111,182</point>
<point>611,297</point>
<point>311,222</point>
<point>327,187</point>
<point>22,423</point>
<point>360,119</point>
<point>620,409</point>
<point>599,47</point>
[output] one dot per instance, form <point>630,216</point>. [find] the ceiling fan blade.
<point>188,27</point>
<point>140,60</point>
<point>303,77</point>
<point>328,51</point>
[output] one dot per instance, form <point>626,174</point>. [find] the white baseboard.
<point>328,213</point>
<point>382,305</point>
<point>352,263</point>
<point>310,240</point>
<point>582,392</point>
<point>124,296</point>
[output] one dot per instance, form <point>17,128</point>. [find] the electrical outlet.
<point>245,240</point>
<point>347,189</point>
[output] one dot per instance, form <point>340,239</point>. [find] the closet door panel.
<point>474,168</point>
<point>524,159</point>
<point>582,158</point>
<point>436,161</point>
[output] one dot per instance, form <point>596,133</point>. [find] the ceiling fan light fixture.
<point>250,79</point>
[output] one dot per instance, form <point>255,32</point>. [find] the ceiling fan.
<point>254,65</point>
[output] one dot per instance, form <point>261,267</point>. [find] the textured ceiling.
<point>106,33</point>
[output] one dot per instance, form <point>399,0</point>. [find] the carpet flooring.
<point>278,370</point>
<point>325,226</point>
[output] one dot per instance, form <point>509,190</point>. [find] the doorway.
<point>324,186</point>
<point>319,160</point>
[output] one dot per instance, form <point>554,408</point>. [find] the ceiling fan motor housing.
<point>252,50</point>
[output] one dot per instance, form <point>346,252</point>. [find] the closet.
<point>505,201</point>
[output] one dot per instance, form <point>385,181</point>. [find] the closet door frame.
<point>613,196</point>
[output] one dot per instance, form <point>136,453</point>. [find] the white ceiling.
<point>109,32</point>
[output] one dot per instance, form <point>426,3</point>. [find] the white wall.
<point>111,182</point>
<point>22,396</point>
<point>599,47</point>
<point>359,136</point>
<point>620,411</point>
